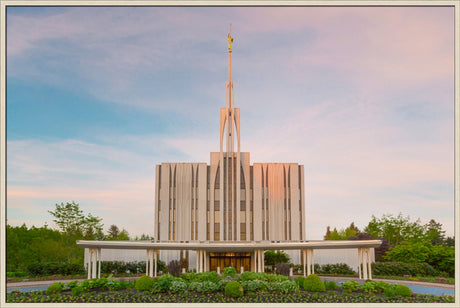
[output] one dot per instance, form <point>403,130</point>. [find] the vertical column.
<point>253,261</point>
<point>90,252</point>
<point>365,263</point>
<point>312,262</point>
<point>359,264</point>
<point>147,262</point>
<point>304,258</point>
<point>308,262</point>
<point>94,263</point>
<point>152,252</point>
<point>99,253</point>
<point>156,258</point>
<point>197,261</point>
<point>370,262</point>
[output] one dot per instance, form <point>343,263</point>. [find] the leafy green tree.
<point>71,220</point>
<point>395,229</point>
<point>409,252</point>
<point>450,241</point>
<point>343,234</point>
<point>123,236</point>
<point>271,257</point>
<point>113,232</point>
<point>434,233</point>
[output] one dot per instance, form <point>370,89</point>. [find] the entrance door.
<point>230,259</point>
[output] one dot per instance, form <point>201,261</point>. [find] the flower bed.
<point>210,288</point>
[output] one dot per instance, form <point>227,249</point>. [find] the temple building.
<point>228,213</point>
<point>229,200</point>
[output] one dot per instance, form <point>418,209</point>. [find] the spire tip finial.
<point>230,39</point>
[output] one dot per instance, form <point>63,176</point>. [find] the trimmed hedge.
<point>55,268</point>
<point>401,269</point>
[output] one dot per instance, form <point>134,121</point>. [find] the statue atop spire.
<point>230,39</point>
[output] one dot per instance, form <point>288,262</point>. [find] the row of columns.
<point>94,263</point>
<point>364,263</point>
<point>308,262</point>
<point>151,262</point>
<point>201,261</point>
<point>257,261</point>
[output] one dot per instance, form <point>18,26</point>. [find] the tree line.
<point>27,246</point>
<point>404,241</point>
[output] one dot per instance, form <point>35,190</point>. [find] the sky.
<point>363,97</point>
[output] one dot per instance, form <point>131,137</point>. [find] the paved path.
<point>25,284</point>
<point>406,282</point>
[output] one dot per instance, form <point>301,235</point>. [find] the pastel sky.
<point>363,97</point>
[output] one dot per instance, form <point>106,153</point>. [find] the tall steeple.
<point>229,159</point>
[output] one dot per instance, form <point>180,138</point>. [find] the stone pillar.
<point>242,270</point>
<point>218,270</point>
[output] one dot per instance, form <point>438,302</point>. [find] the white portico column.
<point>99,254</point>
<point>360,273</point>
<point>92,262</point>
<point>304,259</point>
<point>253,261</point>
<point>308,262</point>
<point>156,258</point>
<point>370,263</point>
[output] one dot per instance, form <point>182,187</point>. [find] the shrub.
<point>189,277</point>
<point>282,287</point>
<point>299,280</point>
<point>331,285</point>
<point>401,269</point>
<point>350,286</point>
<point>334,269</point>
<point>229,271</point>
<point>208,276</point>
<point>245,276</point>
<point>174,268</point>
<point>55,288</point>
<point>164,282</point>
<point>402,290</point>
<point>193,286</point>
<point>177,286</point>
<point>234,289</point>
<point>77,291</point>
<point>221,284</point>
<point>207,287</point>
<point>282,269</point>
<point>144,283</point>
<point>313,284</point>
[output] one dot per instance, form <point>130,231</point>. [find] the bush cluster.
<point>119,267</point>
<point>234,289</point>
<point>313,284</point>
<point>55,268</point>
<point>144,283</point>
<point>55,288</point>
<point>401,269</point>
<point>334,269</point>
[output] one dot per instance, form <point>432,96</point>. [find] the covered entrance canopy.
<point>209,253</point>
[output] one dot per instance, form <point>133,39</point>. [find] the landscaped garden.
<point>210,287</point>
